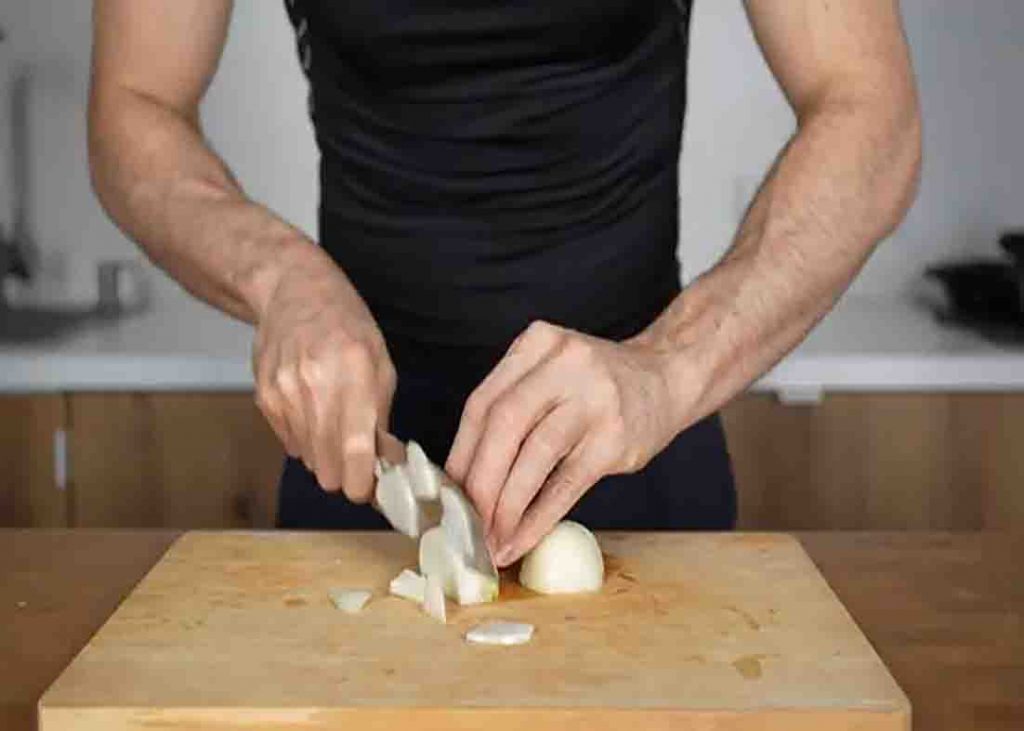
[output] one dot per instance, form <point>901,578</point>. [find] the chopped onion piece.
<point>350,601</point>
<point>500,633</point>
<point>409,585</point>
<point>473,587</point>
<point>433,600</point>
<point>438,559</point>
<point>459,524</point>
<point>424,476</point>
<point>396,501</point>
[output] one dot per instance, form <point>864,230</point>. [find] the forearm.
<point>841,185</point>
<point>163,185</point>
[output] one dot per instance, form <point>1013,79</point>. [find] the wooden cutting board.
<point>691,631</point>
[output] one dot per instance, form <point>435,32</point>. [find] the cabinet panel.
<point>879,461</point>
<point>172,460</point>
<point>29,493</point>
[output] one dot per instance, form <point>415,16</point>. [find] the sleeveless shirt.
<point>486,163</point>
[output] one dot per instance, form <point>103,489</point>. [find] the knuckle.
<point>542,333</point>
<point>354,354</point>
<point>315,371</point>
<point>285,381</point>
<point>505,413</point>
<point>577,352</point>
<point>548,441</point>
<point>475,407</point>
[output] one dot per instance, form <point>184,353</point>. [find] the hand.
<point>324,379</point>
<point>560,411</point>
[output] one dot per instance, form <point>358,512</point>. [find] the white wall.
<point>969,58</point>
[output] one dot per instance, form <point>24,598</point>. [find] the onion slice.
<point>424,476</point>
<point>433,599</point>
<point>409,585</point>
<point>395,498</point>
<point>350,601</point>
<point>500,633</point>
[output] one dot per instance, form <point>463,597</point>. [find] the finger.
<point>358,434</point>
<point>387,381</point>
<point>292,408</point>
<point>551,440</point>
<point>510,420</point>
<point>323,404</point>
<point>525,352</point>
<point>576,474</point>
<point>270,407</point>
<point>268,400</point>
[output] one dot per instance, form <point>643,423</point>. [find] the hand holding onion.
<point>559,412</point>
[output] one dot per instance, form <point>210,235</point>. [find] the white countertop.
<point>864,345</point>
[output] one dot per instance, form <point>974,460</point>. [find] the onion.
<point>459,581</point>
<point>350,601</point>
<point>567,561</point>
<point>500,633</point>
<point>395,498</point>
<point>423,474</point>
<point>409,585</point>
<point>433,600</point>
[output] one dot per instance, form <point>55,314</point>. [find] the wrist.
<point>288,254</point>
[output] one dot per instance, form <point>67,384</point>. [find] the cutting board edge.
<point>465,719</point>
<point>853,620</point>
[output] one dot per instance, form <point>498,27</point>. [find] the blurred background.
<point>125,403</point>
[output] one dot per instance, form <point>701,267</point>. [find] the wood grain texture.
<point>172,460</point>
<point>945,612</point>
<point>712,631</point>
<point>28,491</point>
<point>56,588</point>
<point>879,461</point>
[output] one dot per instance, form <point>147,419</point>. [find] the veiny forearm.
<point>164,186</point>
<point>841,185</point>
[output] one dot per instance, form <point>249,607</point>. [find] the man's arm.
<point>323,377</point>
<point>563,409</point>
<point>842,183</point>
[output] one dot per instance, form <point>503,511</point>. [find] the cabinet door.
<point>32,489</point>
<point>879,461</point>
<point>195,460</point>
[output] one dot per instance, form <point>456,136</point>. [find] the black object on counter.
<point>986,295</point>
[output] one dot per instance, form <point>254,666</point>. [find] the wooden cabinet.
<point>205,460</point>
<point>880,461</point>
<point>178,460</point>
<point>32,488</point>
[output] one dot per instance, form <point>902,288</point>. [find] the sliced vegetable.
<point>409,585</point>
<point>396,501</point>
<point>500,633</point>
<point>567,561</point>
<point>473,587</point>
<point>438,559</point>
<point>460,582</point>
<point>433,599</point>
<point>462,526</point>
<point>350,601</point>
<point>424,475</point>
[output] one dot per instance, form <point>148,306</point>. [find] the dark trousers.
<point>688,486</point>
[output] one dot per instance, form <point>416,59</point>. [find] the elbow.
<point>97,132</point>
<point>901,165</point>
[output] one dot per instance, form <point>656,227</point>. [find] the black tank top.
<point>486,163</point>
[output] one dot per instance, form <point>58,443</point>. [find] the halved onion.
<point>567,561</point>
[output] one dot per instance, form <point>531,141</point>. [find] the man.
<point>496,273</point>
